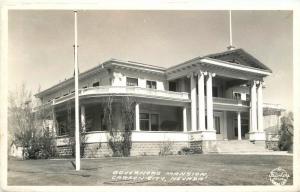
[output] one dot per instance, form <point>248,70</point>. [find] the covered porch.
<point>155,119</point>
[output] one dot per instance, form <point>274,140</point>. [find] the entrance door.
<point>244,126</point>
<point>217,124</point>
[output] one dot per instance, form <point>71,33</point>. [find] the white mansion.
<point>208,99</point>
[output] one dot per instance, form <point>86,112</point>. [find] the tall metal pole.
<point>77,134</point>
<point>230,30</point>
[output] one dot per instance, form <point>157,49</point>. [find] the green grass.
<point>221,170</point>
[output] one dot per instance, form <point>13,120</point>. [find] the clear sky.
<point>40,43</point>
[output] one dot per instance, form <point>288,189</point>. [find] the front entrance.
<point>244,127</point>
<point>218,125</point>
<point>226,125</point>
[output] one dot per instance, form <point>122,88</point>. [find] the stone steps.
<point>244,146</point>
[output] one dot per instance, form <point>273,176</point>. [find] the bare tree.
<point>25,124</point>
<point>120,137</point>
<point>127,109</point>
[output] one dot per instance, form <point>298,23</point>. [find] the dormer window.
<point>131,81</point>
<point>151,84</point>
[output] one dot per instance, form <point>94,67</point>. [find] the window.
<point>131,81</point>
<point>62,120</point>
<point>149,122</point>
<point>96,84</point>
<point>151,84</point>
<point>154,122</point>
<point>237,96</point>
<point>66,94</point>
<point>172,86</point>
<point>247,97</point>
<point>215,92</point>
<point>93,118</point>
<point>144,121</point>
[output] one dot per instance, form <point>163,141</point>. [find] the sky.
<point>40,43</point>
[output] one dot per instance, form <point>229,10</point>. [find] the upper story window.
<point>131,81</point>
<point>215,92</point>
<point>247,97</point>
<point>237,96</point>
<point>66,93</point>
<point>96,84</point>
<point>151,84</point>
<point>172,86</point>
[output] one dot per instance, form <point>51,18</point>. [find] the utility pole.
<point>77,133</point>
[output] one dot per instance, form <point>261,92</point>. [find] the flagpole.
<point>77,134</point>
<point>230,29</point>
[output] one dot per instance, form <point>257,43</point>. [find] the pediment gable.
<point>240,57</point>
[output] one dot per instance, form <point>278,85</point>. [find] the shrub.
<point>286,133</point>
<point>165,148</point>
<point>189,151</point>
<point>116,143</point>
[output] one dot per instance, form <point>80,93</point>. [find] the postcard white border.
<point>293,5</point>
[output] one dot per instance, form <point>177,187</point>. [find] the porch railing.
<point>127,90</point>
<point>230,101</point>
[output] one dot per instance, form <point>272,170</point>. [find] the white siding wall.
<point>102,77</point>
<point>120,78</point>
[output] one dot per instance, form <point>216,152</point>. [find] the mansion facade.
<point>212,98</point>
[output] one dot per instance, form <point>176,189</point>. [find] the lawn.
<point>214,169</point>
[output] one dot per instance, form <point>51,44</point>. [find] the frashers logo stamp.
<point>278,176</point>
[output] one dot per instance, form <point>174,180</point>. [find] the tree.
<point>286,132</point>
<point>25,125</point>
<point>120,137</point>
<point>127,109</point>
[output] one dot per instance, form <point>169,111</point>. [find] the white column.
<point>82,118</point>
<point>225,131</point>
<point>54,128</point>
<point>193,103</point>
<point>260,120</point>
<point>239,125</point>
<point>184,120</point>
<point>253,115</point>
<point>209,103</point>
<point>137,117</point>
<point>201,102</point>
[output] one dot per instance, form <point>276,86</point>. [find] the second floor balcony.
<point>146,93</point>
<point>133,91</point>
